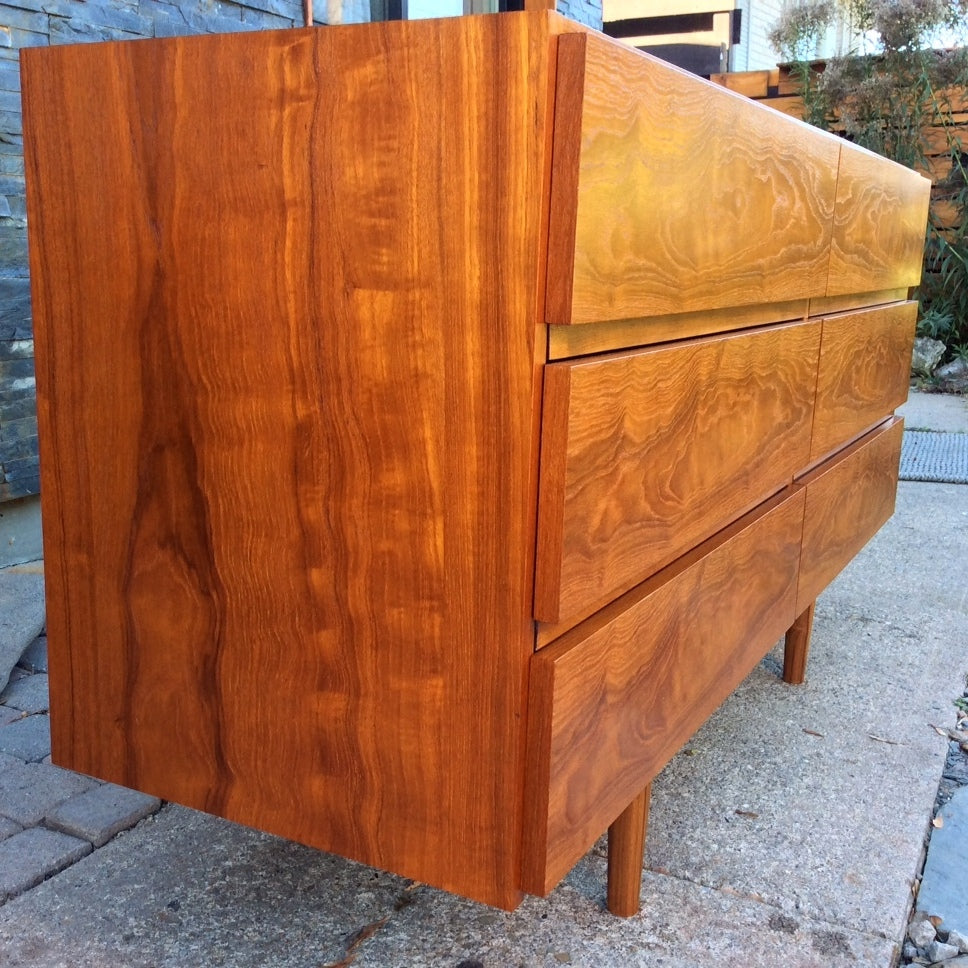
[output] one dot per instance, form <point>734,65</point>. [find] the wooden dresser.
<point>439,419</point>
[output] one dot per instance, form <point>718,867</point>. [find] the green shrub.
<point>890,92</point>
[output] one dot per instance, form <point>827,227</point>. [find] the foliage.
<point>892,93</point>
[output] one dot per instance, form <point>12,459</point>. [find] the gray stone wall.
<point>18,420</point>
<point>588,12</point>
<point>32,23</point>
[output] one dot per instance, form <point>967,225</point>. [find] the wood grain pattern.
<point>647,453</point>
<point>290,292</point>
<point>569,341</point>
<point>613,700</point>
<point>288,425</point>
<point>879,224</point>
<point>796,647</point>
<point>671,195</point>
<point>848,499</point>
<point>865,369</point>
<point>748,83</point>
<point>626,841</point>
<point>840,304</point>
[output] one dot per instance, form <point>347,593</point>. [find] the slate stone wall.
<point>32,23</point>
<point>588,12</point>
<point>18,418</point>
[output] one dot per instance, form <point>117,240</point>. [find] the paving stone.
<point>922,932</point>
<point>942,893</point>
<point>8,828</point>
<point>31,856</point>
<point>8,715</point>
<point>22,616</point>
<point>939,951</point>
<point>27,738</point>
<point>956,766</point>
<point>101,813</point>
<point>29,695</point>
<point>8,762</point>
<point>959,939</point>
<point>29,791</point>
<point>35,658</point>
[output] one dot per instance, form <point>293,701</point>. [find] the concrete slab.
<point>942,891</point>
<point>22,615</point>
<point>790,838</point>
<point>935,411</point>
<point>752,811</point>
<point>184,890</point>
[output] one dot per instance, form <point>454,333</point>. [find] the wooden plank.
<point>939,140</point>
<point>614,699</point>
<point>945,214</point>
<point>634,138</point>
<point>753,84</point>
<point>848,499</point>
<point>569,341</point>
<point>287,410</point>
<point>662,448</point>
<point>954,99</point>
<point>936,167</point>
<point>838,304</point>
<point>879,225</point>
<point>865,369</point>
<point>791,105</point>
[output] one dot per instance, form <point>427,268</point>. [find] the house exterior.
<point>702,36</point>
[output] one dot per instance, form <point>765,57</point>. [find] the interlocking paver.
<point>35,658</point>
<point>29,695</point>
<point>8,715</point>
<point>27,738</point>
<point>32,855</point>
<point>30,791</point>
<point>21,616</point>
<point>101,813</point>
<point>8,762</point>
<point>8,828</point>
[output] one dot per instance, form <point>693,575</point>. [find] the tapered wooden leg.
<point>797,648</point>
<point>626,840</point>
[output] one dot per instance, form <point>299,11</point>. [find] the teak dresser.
<point>439,419</point>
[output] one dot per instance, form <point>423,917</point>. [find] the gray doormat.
<point>928,455</point>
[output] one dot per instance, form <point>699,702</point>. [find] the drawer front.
<point>848,499</point>
<point>879,225</point>
<point>865,369</point>
<point>671,195</point>
<point>613,700</point>
<point>646,454</point>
